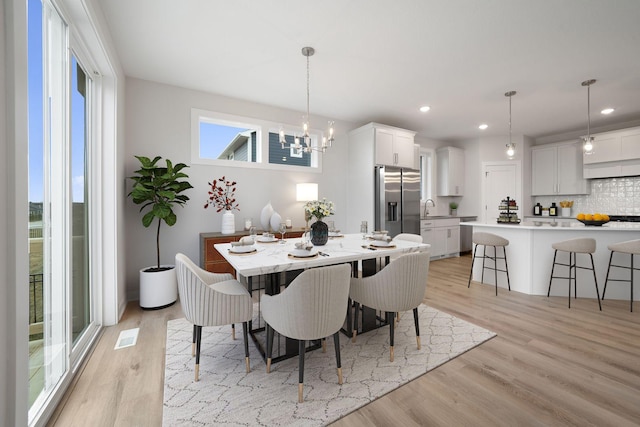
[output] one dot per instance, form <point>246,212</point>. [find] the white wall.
<point>159,123</point>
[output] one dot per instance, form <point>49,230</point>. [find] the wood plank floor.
<point>549,365</point>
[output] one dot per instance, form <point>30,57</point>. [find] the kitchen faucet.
<point>426,210</point>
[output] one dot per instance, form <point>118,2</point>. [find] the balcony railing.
<point>35,303</point>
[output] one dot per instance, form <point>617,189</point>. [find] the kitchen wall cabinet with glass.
<point>450,166</point>
<point>443,235</point>
<point>615,153</point>
<point>557,170</point>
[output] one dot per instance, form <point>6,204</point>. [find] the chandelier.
<point>511,147</point>
<point>304,143</point>
<point>587,141</point>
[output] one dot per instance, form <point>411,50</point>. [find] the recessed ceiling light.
<point>483,126</point>
<point>607,111</point>
<point>425,108</point>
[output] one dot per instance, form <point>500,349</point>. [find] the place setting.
<point>245,246</point>
<point>380,240</point>
<point>303,250</point>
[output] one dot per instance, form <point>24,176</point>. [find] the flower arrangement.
<point>318,209</point>
<point>222,195</point>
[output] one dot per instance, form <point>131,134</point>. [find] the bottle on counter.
<point>537,209</point>
<point>553,210</point>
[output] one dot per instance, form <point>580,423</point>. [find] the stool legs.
<point>619,280</point>
<point>573,275</point>
<point>473,259</point>
<point>495,269</point>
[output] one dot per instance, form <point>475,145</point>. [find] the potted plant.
<point>318,209</point>
<point>222,197</point>
<point>158,189</point>
<point>453,208</point>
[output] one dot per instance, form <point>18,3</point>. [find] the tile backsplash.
<point>613,196</point>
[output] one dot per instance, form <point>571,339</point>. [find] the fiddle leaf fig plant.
<point>158,189</point>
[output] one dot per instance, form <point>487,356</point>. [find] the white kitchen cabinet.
<point>394,147</point>
<point>556,169</point>
<point>450,166</point>
<point>615,153</point>
<point>443,235</point>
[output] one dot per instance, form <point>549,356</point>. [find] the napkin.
<point>245,241</point>
<point>383,237</point>
<point>304,245</point>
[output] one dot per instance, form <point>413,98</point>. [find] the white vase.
<point>228,223</point>
<point>265,216</point>
<point>276,220</point>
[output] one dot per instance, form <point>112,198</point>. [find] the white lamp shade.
<point>306,192</point>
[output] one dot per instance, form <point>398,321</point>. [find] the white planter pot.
<point>158,289</point>
<point>228,223</point>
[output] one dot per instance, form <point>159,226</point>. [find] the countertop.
<point>561,225</point>
<point>462,217</point>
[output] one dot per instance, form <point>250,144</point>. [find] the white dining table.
<point>261,270</point>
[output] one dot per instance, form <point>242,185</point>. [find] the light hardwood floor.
<point>549,365</point>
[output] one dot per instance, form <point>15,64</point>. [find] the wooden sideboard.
<point>210,258</point>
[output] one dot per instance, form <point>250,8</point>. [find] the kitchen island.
<point>530,257</point>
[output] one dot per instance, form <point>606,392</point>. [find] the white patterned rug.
<point>227,396</point>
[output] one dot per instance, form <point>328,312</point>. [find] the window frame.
<point>263,127</point>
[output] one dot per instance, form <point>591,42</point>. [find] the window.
<point>227,140</point>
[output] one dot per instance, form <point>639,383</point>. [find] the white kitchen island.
<point>530,257</point>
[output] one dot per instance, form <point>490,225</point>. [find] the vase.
<point>319,233</point>
<point>228,223</point>
<point>275,221</point>
<point>265,216</point>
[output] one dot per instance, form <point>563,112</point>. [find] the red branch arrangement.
<point>222,195</point>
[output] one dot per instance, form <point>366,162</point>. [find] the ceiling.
<point>381,60</point>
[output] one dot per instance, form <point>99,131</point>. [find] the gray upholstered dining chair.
<point>400,286</point>
<point>410,237</point>
<point>312,307</point>
<point>212,299</point>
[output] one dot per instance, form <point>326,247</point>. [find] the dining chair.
<point>400,286</point>
<point>312,307</point>
<point>212,299</point>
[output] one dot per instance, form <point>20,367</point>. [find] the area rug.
<point>228,396</point>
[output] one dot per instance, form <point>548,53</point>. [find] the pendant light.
<point>511,147</point>
<point>587,141</point>
<point>327,141</point>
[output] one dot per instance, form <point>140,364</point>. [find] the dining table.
<point>269,264</point>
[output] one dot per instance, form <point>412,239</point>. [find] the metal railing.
<point>36,295</point>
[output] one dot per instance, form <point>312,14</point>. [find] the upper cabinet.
<point>450,165</point>
<point>615,153</point>
<point>394,147</point>
<point>556,169</point>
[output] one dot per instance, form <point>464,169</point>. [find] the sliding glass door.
<point>60,141</point>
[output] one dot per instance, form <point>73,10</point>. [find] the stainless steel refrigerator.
<point>397,205</point>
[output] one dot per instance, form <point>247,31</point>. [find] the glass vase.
<point>319,233</point>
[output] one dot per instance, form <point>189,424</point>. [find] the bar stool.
<point>631,247</point>
<point>489,239</point>
<point>574,246</point>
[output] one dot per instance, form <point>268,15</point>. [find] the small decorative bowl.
<point>596,223</point>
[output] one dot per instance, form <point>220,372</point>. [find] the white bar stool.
<point>574,246</point>
<point>631,247</point>
<point>489,239</point>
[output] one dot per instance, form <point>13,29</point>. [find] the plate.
<point>596,223</point>
<point>335,235</point>
<point>266,240</point>
<point>303,253</point>
<point>377,244</point>
<point>242,249</point>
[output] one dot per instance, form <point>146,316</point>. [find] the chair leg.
<point>575,285</point>
<point>301,349</point>
<point>484,257</point>
<point>391,328</point>
<point>593,268</point>
<point>198,341</point>
<point>604,290</point>
<point>245,336</point>
<point>233,331</point>
<point>415,321</point>
<point>193,343</point>
<point>356,314</point>
<point>336,343</point>
<point>495,267</point>
<point>631,284</point>
<point>553,266</point>
<point>473,259</point>
<point>269,346</point>
<point>506,266</point>
<point>324,345</point>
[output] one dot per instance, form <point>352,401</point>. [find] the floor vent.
<point>127,338</point>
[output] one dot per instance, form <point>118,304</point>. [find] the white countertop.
<point>274,257</point>
<point>561,225</point>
